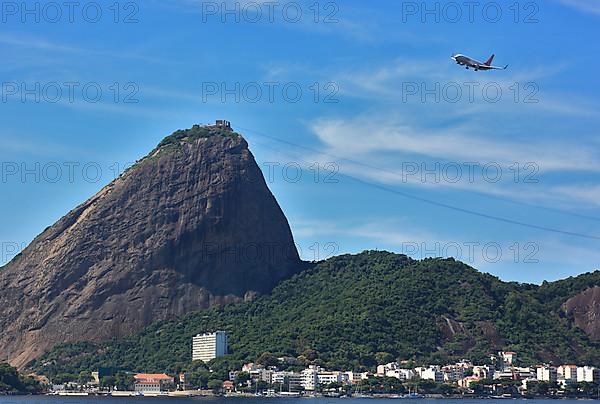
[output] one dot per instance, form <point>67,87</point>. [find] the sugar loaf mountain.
<point>190,239</point>
<point>191,225</point>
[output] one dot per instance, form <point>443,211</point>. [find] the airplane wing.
<point>497,68</point>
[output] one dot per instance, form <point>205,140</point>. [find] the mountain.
<point>353,311</point>
<point>190,226</point>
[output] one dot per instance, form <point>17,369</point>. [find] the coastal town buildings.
<point>287,378</point>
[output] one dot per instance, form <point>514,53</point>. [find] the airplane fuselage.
<point>476,65</point>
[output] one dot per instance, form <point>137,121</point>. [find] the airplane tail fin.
<point>489,62</point>
<point>505,67</point>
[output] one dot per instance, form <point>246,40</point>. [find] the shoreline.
<point>204,394</point>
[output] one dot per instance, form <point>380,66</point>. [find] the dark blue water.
<point>250,400</point>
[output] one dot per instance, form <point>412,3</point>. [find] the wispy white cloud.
<point>585,192</point>
<point>459,143</point>
<point>587,6</point>
<point>41,44</point>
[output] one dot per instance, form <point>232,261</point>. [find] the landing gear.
<point>467,67</point>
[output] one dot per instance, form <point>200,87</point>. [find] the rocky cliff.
<point>191,225</point>
<point>584,309</point>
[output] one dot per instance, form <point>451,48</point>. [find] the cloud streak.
<point>587,6</point>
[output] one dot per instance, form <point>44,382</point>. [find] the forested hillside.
<point>354,311</point>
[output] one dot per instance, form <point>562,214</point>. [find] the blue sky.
<point>369,135</point>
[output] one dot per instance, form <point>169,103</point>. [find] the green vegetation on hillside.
<point>353,312</point>
<point>194,133</point>
<point>173,142</point>
<point>12,382</point>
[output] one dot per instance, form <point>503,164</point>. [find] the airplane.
<point>476,65</point>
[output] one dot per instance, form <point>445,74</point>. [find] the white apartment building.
<point>524,372</point>
<point>508,357</point>
<point>356,377</point>
<point>567,372</point>
<point>401,374</point>
<point>431,373</point>
<point>294,379</point>
<point>208,346</point>
<point>314,376</point>
<point>588,374</point>
<point>393,369</point>
<point>256,372</point>
<point>325,378</point>
<point>546,374</point>
<point>309,378</point>
<point>483,372</point>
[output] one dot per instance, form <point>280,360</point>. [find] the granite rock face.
<point>584,309</point>
<point>191,225</point>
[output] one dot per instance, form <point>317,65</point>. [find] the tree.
<point>267,359</point>
<point>108,382</point>
<point>242,377</point>
<point>221,366</point>
<point>124,381</point>
<point>215,385</point>
<point>198,379</point>
<point>12,382</point>
<point>85,377</point>
<point>383,358</point>
<point>63,378</point>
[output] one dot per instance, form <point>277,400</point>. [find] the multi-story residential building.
<point>294,380</point>
<point>402,374</point>
<point>588,374</point>
<point>325,378</point>
<point>393,369</point>
<point>466,382</point>
<point>567,372</point>
<point>505,375</point>
<point>546,374</point>
<point>356,377</point>
<point>483,372</point>
<point>353,377</point>
<point>508,357</point>
<point>257,372</point>
<point>453,373</point>
<point>310,378</point>
<point>522,373</point>
<point>314,376</point>
<point>206,347</point>
<point>431,373</point>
